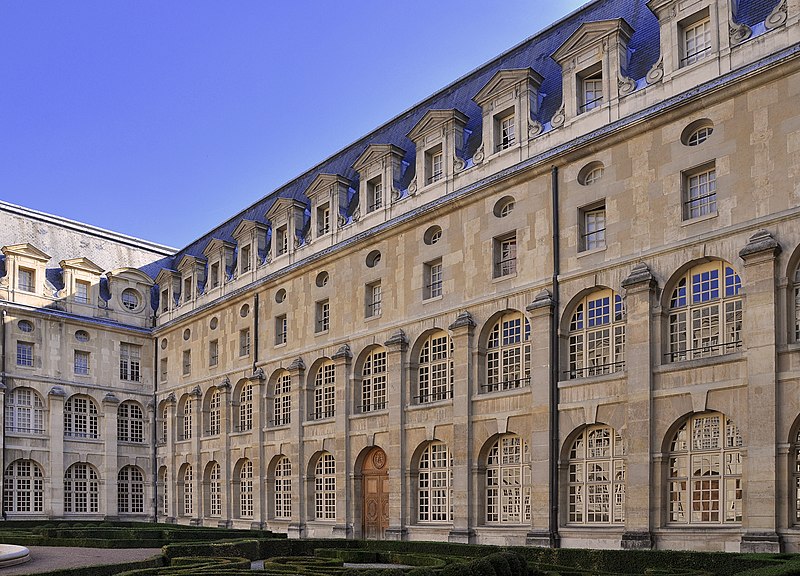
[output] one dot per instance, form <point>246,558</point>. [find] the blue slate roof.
<point>535,52</point>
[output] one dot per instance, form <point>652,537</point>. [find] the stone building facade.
<point>556,303</point>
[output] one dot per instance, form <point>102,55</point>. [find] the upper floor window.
<point>695,33</point>
<point>187,420</point>
<point>433,235</point>
<point>164,424</point>
<point>187,289</point>
<point>704,474</point>
<point>213,352</point>
<point>215,412</point>
<point>374,299</point>
<point>246,408</point>
<point>435,484</point>
<point>164,369</point>
<point>323,319</point>
<point>323,219</point>
<point>508,353</point>
<point>130,422</point>
<point>25,354</point>
<point>281,328</point>
<point>505,255</point>
<point>433,279</point>
<point>26,279</point>
<point>373,381</point>
<point>282,400</point>
<point>700,192</point>
<point>187,362</point>
<point>375,191</point>
<point>213,275</point>
<point>590,83</point>
<point>434,165</point>
<point>506,137</point>
<point>281,241</point>
<point>508,482</point>
<point>597,335</point>
<point>25,326</point>
<point>796,479</point>
<point>80,363</point>
<point>325,487</point>
<point>245,259</point>
<point>325,391</point>
<point>24,411</point>
<point>130,299</point>
<point>80,418</point>
<point>596,476</point>
<point>435,369</point>
<point>130,362</point>
<point>591,173</point>
<point>244,342</point>
<point>697,132</point>
<point>593,227</point>
<point>81,292</point>
<point>705,312</point>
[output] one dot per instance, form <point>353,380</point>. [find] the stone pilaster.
<point>639,288</point>
<point>168,448</point>
<point>344,465</point>
<point>109,473</point>
<point>197,476</point>
<point>462,331</point>
<point>297,371</point>
<point>540,315</point>
<point>397,397</point>
<point>56,398</point>
<point>226,425</point>
<point>759,341</point>
<point>260,489</point>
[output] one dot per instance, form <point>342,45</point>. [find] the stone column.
<point>396,397</point>
<point>197,477</point>
<point>463,494</point>
<point>540,315</point>
<point>344,465</point>
<point>260,488</point>
<point>297,527</point>
<point>759,340</point>
<point>226,425</point>
<point>171,484</point>
<point>55,425</point>
<point>108,475</point>
<point>639,288</point>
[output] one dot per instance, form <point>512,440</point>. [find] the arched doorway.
<point>375,490</point>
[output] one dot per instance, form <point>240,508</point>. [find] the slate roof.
<point>535,52</point>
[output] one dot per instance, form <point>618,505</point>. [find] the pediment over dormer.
<point>216,245</point>
<point>27,250</point>
<point>375,153</point>
<point>434,119</point>
<point>590,35</point>
<point>283,206</point>
<point>131,274</point>
<point>83,264</point>
<point>189,263</point>
<point>505,80</point>
<point>167,275</point>
<point>245,227</point>
<point>326,184</point>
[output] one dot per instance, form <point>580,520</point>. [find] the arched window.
<point>81,489</point>
<point>705,313</point>
<point>130,422</point>
<point>508,353</point>
<point>325,391</point>
<point>797,305</point>
<point>215,490</point>
<point>434,488</point>
<point>163,485</point>
<point>164,423</point>
<point>325,487</point>
<point>80,418</point>
<point>596,477</point>
<point>130,491</point>
<point>188,500</point>
<point>246,490</point>
<point>283,488</point>
<point>508,482</point>
<point>214,412</point>
<point>282,400</point>
<point>597,335</point>
<point>373,381</point>
<point>24,411</point>
<point>705,471</point>
<point>23,487</point>
<point>435,371</point>
<point>246,408</point>
<point>187,421</point>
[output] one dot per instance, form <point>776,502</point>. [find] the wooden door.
<point>375,488</point>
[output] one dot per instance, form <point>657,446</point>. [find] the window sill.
<point>597,250</point>
<point>694,363</point>
<point>702,218</point>
<point>432,299</point>
<point>510,276</point>
<point>500,393</point>
<point>427,405</point>
<point>584,380</point>
<point>363,415</point>
<point>321,332</point>
<point>281,345</point>
<point>327,420</point>
<point>372,318</point>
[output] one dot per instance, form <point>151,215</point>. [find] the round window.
<point>244,310</point>
<point>697,132</point>
<point>590,173</point>
<point>433,235</point>
<point>280,295</point>
<point>82,336</point>
<point>163,343</point>
<point>322,279</point>
<point>373,258</point>
<point>186,334</point>
<point>213,324</point>
<point>504,207</point>
<point>130,299</point>
<point>25,326</point>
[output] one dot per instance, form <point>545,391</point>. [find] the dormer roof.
<point>323,183</point>
<point>375,152</point>
<point>433,119</point>
<point>188,262</point>
<point>589,34</point>
<point>282,204</point>
<point>81,264</point>
<point>26,249</point>
<point>216,244</point>
<point>506,79</point>
<point>131,274</point>
<point>166,275</point>
<point>246,226</point>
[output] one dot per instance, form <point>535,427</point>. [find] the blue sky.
<point>162,118</point>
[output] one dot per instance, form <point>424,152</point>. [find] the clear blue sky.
<point>162,118</point>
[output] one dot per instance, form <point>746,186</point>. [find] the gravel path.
<point>46,558</point>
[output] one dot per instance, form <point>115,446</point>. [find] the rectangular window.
<point>696,38</point>
<point>374,297</point>
<point>323,219</point>
<point>187,289</point>
<point>593,227</point>
<point>187,362</point>
<point>244,342</point>
<point>164,369</point>
<point>244,259</point>
<point>81,362</point>
<point>24,354</point>
<point>165,300</point>
<point>323,315</point>
<point>213,352</point>
<point>700,192</point>
<point>281,241</point>
<point>375,194</point>
<point>81,292</point>
<point>130,362</point>
<point>26,280</point>
<point>433,279</point>
<point>214,275</point>
<point>281,328</point>
<point>590,83</point>
<point>434,165</point>
<point>505,132</point>
<point>505,255</point>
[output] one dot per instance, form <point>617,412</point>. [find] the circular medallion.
<point>379,459</point>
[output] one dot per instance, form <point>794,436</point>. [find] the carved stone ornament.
<point>656,72</point>
<point>543,300</point>
<point>225,384</point>
<point>397,339</point>
<point>558,119</point>
<point>479,155</point>
<point>625,85</point>
<point>739,32</point>
<point>396,194</point>
<point>640,274</point>
<point>309,237</point>
<point>342,221</point>
<point>171,399</point>
<point>412,188</point>
<point>464,319</point>
<point>343,352</point>
<point>761,241</point>
<point>357,214</point>
<point>777,17</point>
<point>110,398</point>
<point>196,392</point>
<point>297,241</point>
<point>57,391</point>
<point>258,374</point>
<point>458,164</point>
<point>535,128</point>
<point>297,365</point>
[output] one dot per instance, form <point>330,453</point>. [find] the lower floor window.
<point>81,489</point>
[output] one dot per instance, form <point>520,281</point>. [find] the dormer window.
<point>244,257</point>
<point>590,83</point>
<point>434,165</point>
<point>281,241</point>
<point>323,219</point>
<point>375,191</point>
<point>695,34</point>
<point>214,275</point>
<point>26,280</point>
<point>439,140</point>
<point>505,131</point>
<point>187,289</point>
<point>81,292</point>
<point>165,300</point>
<point>379,169</point>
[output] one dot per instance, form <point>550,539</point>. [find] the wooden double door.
<point>375,490</point>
